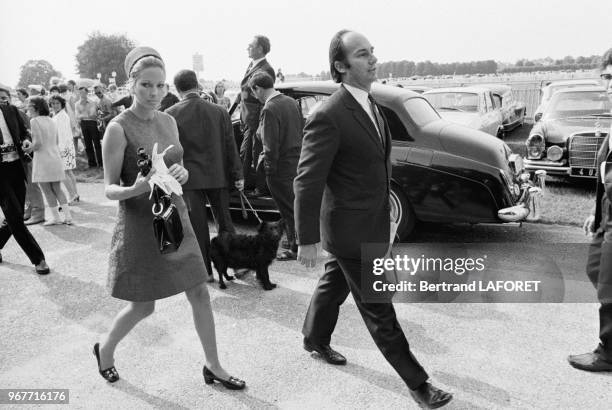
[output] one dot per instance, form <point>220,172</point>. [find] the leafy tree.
<point>103,54</point>
<point>37,72</point>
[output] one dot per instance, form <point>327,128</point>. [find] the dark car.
<point>442,172</point>
<point>573,126</point>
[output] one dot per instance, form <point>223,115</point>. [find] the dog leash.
<point>243,197</point>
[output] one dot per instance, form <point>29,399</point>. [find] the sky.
<point>300,31</point>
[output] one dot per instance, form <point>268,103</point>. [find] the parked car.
<point>572,128</point>
<point>513,111</point>
<point>442,172</point>
<point>470,106</point>
<point>417,88</point>
<point>548,90</point>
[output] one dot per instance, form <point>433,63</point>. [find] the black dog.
<point>238,251</point>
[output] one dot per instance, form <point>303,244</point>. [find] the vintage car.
<point>470,106</point>
<point>442,172</point>
<point>513,111</point>
<point>572,128</point>
<point>548,90</point>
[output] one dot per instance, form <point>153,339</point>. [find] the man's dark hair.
<point>62,88</point>
<point>606,60</point>
<point>71,82</point>
<point>264,43</point>
<point>23,91</point>
<point>5,89</point>
<point>337,52</point>
<point>186,80</point>
<point>261,79</point>
<point>54,88</point>
<point>59,99</point>
<point>40,105</point>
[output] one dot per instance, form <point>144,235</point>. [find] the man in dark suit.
<point>342,189</point>
<point>13,182</point>
<point>599,262</point>
<point>280,132</point>
<point>250,108</point>
<point>210,156</point>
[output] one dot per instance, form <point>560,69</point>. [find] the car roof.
<point>470,89</point>
<point>497,88</point>
<point>581,89</point>
<point>573,82</point>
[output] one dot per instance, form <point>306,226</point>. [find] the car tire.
<point>402,211</point>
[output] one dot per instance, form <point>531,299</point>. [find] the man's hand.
<point>26,146</point>
<point>589,225</point>
<point>239,184</point>
<point>308,254</point>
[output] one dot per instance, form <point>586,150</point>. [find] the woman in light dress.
<point>65,143</point>
<point>47,168</point>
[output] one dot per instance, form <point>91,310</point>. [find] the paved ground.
<point>489,355</point>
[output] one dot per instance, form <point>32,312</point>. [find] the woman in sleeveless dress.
<point>138,272</point>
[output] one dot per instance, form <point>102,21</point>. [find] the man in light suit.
<point>250,109</point>
<point>210,156</point>
<point>599,262</point>
<point>342,199</point>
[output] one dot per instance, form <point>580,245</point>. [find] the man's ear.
<point>340,67</point>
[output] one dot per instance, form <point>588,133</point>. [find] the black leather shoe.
<point>110,374</point>
<point>42,268</point>
<point>591,362</point>
<point>232,383</point>
<point>329,354</point>
<point>429,397</point>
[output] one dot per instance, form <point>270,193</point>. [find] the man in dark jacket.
<point>13,182</point>
<point>280,132</point>
<point>210,156</point>
<point>169,100</point>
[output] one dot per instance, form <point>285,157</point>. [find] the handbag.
<point>167,225</point>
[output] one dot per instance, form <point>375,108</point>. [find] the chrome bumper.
<point>551,167</point>
<point>529,205</point>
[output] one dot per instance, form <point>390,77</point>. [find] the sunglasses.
<point>606,76</point>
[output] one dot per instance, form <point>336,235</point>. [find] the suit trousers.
<point>91,140</point>
<point>599,271</point>
<point>196,204</point>
<point>281,189</point>
<point>341,277</point>
<point>250,148</point>
<point>34,204</point>
<point>12,200</point>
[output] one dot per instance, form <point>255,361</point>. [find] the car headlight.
<point>535,146</point>
<point>554,153</point>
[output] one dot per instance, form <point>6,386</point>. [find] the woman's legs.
<point>205,326</point>
<point>56,187</point>
<point>123,324</point>
<point>70,183</point>
<point>49,194</point>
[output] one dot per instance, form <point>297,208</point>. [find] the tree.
<point>37,72</point>
<point>103,54</point>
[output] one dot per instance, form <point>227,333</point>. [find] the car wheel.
<point>401,212</point>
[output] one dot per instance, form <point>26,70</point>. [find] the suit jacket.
<point>251,107</point>
<point>342,185</point>
<point>206,134</point>
<point>17,128</point>
<point>602,156</point>
<point>281,130</point>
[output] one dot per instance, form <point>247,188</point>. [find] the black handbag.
<point>167,224</point>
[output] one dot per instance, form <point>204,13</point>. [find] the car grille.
<point>583,149</point>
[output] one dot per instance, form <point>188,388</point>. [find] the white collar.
<point>274,94</point>
<point>360,95</point>
<point>259,60</point>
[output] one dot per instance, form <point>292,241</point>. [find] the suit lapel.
<point>362,118</point>
<point>254,68</point>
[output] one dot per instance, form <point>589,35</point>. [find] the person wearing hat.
<point>137,271</point>
<point>13,137</point>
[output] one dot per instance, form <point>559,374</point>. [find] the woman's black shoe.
<point>232,384</point>
<point>110,374</point>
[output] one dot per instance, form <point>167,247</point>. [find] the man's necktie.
<point>379,120</point>
<point>249,68</point>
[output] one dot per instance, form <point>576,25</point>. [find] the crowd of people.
<point>316,172</point>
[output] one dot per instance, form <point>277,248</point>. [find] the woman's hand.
<point>179,173</point>
<point>26,146</point>
<point>141,184</point>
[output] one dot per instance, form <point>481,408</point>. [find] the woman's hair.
<point>23,92</point>
<point>143,64</point>
<point>59,99</point>
<point>40,105</point>
<point>220,83</point>
<point>54,88</point>
<point>606,59</point>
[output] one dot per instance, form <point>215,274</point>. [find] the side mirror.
<point>538,117</point>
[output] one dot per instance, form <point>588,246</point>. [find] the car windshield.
<point>454,101</point>
<point>420,112</point>
<point>554,88</point>
<point>580,103</point>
